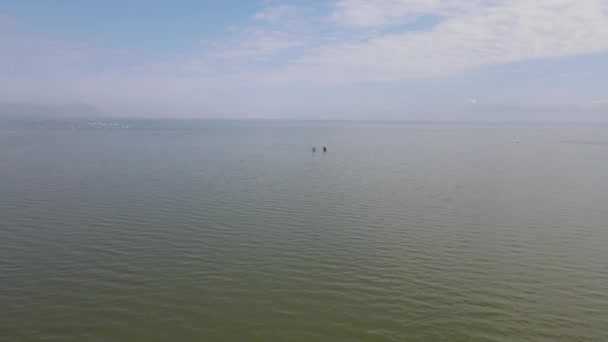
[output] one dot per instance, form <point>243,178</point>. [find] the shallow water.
<point>235,230</point>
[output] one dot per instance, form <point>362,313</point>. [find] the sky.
<point>436,60</point>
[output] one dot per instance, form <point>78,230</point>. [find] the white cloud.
<point>254,44</point>
<point>503,32</point>
<point>473,101</point>
<point>600,102</point>
<point>274,13</point>
<point>471,35</point>
<point>378,13</point>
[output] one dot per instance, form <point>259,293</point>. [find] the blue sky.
<point>151,25</point>
<point>482,60</point>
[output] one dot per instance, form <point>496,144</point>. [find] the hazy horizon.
<point>69,112</point>
<point>463,60</point>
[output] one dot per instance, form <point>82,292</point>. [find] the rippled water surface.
<point>232,231</point>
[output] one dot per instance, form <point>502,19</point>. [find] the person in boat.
<point>324,149</point>
<point>314,149</point>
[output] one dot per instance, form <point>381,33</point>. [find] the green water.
<point>236,231</point>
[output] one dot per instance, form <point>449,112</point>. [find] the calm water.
<point>228,231</point>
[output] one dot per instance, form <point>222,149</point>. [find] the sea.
<point>235,230</point>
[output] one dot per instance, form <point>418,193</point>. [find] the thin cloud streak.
<point>382,13</point>
<point>275,13</point>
